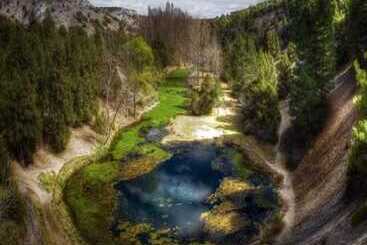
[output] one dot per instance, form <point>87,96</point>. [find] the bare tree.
<point>167,30</point>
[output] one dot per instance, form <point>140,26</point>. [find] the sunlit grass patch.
<point>90,193</point>
<point>172,102</point>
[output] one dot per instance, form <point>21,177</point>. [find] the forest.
<point>277,90</point>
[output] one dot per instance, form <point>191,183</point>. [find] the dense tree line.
<point>358,163</point>
<point>51,79</point>
<point>48,83</point>
<point>256,67</point>
<point>357,27</point>
<point>357,157</point>
<point>313,31</point>
<point>12,225</point>
<point>302,41</point>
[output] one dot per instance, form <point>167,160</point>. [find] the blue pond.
<point>175,194</point>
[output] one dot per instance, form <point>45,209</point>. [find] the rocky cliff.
<point>67,13</point>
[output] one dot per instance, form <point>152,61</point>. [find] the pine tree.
<point>4,162</point>
<point>312,27</point>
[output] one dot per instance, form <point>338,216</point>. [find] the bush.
<point>358,153</point>
<point>204,98</point>
<point>139,53</point>
<point>307,104</point>
<point>259,98</point>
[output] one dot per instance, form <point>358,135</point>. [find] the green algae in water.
<point>175,200</point>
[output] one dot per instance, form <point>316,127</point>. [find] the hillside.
<point>68,13</point>
<point>122,129</point>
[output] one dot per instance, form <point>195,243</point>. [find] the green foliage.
<point>171,103</point>
<point>358,163</point>
<point>49,81</point>
<point>361,99</point>
<point>285,74</point>
<point>90,193</point>
<point>273,43</point>
<point>256,67</point>
<point>12,227</point>
<point>357,22</point>
<point>357,156</point>
<point>139,53</point>
<point>259,97</point>
<point>178,74</point>
<point>203,99</point>
<point>307,103</point>
<point>313,31</point>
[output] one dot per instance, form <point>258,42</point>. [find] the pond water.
<point>176,194</point>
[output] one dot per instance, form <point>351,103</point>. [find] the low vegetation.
<point>90,193</point>
<point>12,210</point>
<point>204,96</point>
<point>357,157</point>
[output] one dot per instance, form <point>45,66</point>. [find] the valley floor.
<point>41,221</point>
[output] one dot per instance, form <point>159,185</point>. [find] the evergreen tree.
<point>4,162</point>
<point>20,118</point>
<point>312,28</point>
<point>259,97</point>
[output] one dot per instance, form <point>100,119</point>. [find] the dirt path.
<point>286,190</point>
<point>82,142</point>
<point>40,216</point>
<point>322,216</point>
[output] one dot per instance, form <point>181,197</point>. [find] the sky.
<point>197,8</point>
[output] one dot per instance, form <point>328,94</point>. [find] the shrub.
<point>204,98</point>
<point>259,98</point>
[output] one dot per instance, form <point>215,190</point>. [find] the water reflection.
<point>175,195</point>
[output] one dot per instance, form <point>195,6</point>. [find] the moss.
<point>172,102</point>
<point>48,180</point>
<point>178,74</point>
<point>239,163</point>
<point>90,194</point>
<point>230,187</point>
<point>144,234</point>
<point>223,223</point>
<point>91,201</point>
<point>140,166</point>
<point>99,173</point>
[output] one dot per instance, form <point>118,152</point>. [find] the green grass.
<point>89,193</point>
<point>172,102</point>
<point>48,180</point>
<point>90,196</point>
<point>178,74</point>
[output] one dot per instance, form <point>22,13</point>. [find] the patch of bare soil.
<point>322,215</point>
<point>40,217</point>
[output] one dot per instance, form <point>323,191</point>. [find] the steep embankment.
<point>43,226</point>
<point>322,215</point>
